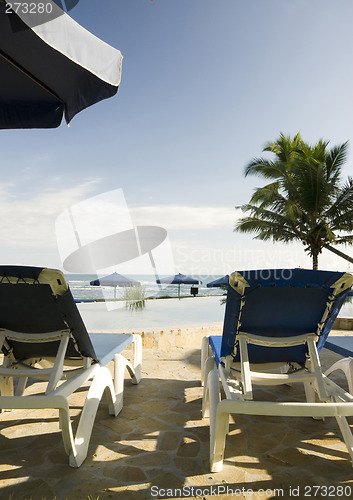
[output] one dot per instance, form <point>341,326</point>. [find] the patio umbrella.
<point>179,279</point>
<point>114,279</point>
<point>219,282</point>
<point>51,67</point>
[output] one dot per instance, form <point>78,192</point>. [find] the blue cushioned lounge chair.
<point>43,337</point>
<point>276,323</point>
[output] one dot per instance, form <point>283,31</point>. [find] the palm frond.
<point>271,217</point>
<point>266,230</point>
<point>306,200</point>
<point>343,202</point>
<point>265,195</point>
<point>336,157</point>
<point>346,240</point>
<point>263,168</point>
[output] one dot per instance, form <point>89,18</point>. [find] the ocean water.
<point>83,291</point>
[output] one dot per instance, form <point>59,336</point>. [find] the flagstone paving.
<point>159,444</point>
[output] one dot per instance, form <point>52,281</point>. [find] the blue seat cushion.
<point>341,345</point>
<point>216,344</point>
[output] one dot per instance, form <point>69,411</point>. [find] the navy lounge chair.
<point>43,337</point>
<point>276,323</point>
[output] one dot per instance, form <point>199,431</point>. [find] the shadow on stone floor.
<point>159,440</point>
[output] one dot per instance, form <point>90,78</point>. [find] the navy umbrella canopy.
<point>51,67</point>
<point>115,279</point>
<point>219,282</point>
<point>179,279</point>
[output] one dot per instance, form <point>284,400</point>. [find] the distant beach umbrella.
<point>219,282</point>
<point>115,279</point>
<point>50,67</point>
<point>179,279</point>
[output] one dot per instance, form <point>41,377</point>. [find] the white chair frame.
<point>346,366</point>
<point>56,395</point>
<point>323,397</point>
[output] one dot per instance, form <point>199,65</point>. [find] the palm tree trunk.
<point>339,253</point>
<point>315,260</point>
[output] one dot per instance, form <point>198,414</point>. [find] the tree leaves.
<point>306,200</point>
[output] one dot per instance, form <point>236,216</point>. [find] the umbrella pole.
<point>179,292</point>
<point>154,268</point>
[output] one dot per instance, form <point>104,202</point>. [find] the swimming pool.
<point>156,314</point>
<point>162,314</point>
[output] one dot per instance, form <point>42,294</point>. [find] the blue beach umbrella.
<point>50,67</point>
<point>179,279</point>
<point>115,279</point>
<point>219,282</point>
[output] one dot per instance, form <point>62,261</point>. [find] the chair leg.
<point>205,354</point>
<point>209,366</point>
<point>310,395</point>
<point>219,423</point>
<point>101,383</point>
<point>309,392</point>
<point>315,368</point>
<point>21,385</point>
<point>6,388</point>
<point>137,364</point>
<point>6,383</point>
<point>120,363</point>
<point>134,369</point>
<point>66,431</point>
<point>346,434</point>
<point>245,368</point>
<point>346,365</point>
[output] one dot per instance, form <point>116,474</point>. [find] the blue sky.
<point>205,84</point>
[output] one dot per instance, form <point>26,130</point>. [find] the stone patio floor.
<point>159,445</point>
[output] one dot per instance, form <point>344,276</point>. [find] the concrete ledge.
<point>190,337</point>
<point>343,324</point>
<point>187,338</point>
<point>169,338</point>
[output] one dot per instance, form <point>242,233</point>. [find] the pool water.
<point>161,313</point>
<point>156,314</point>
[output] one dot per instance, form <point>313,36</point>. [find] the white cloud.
<point>201,238</point>
<point>185,217</point>
<point>29,223</point>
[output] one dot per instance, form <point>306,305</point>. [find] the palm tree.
<point>305,200</point>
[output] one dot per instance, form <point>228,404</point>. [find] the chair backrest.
<point>38,300</point>
<point>282,302</point>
